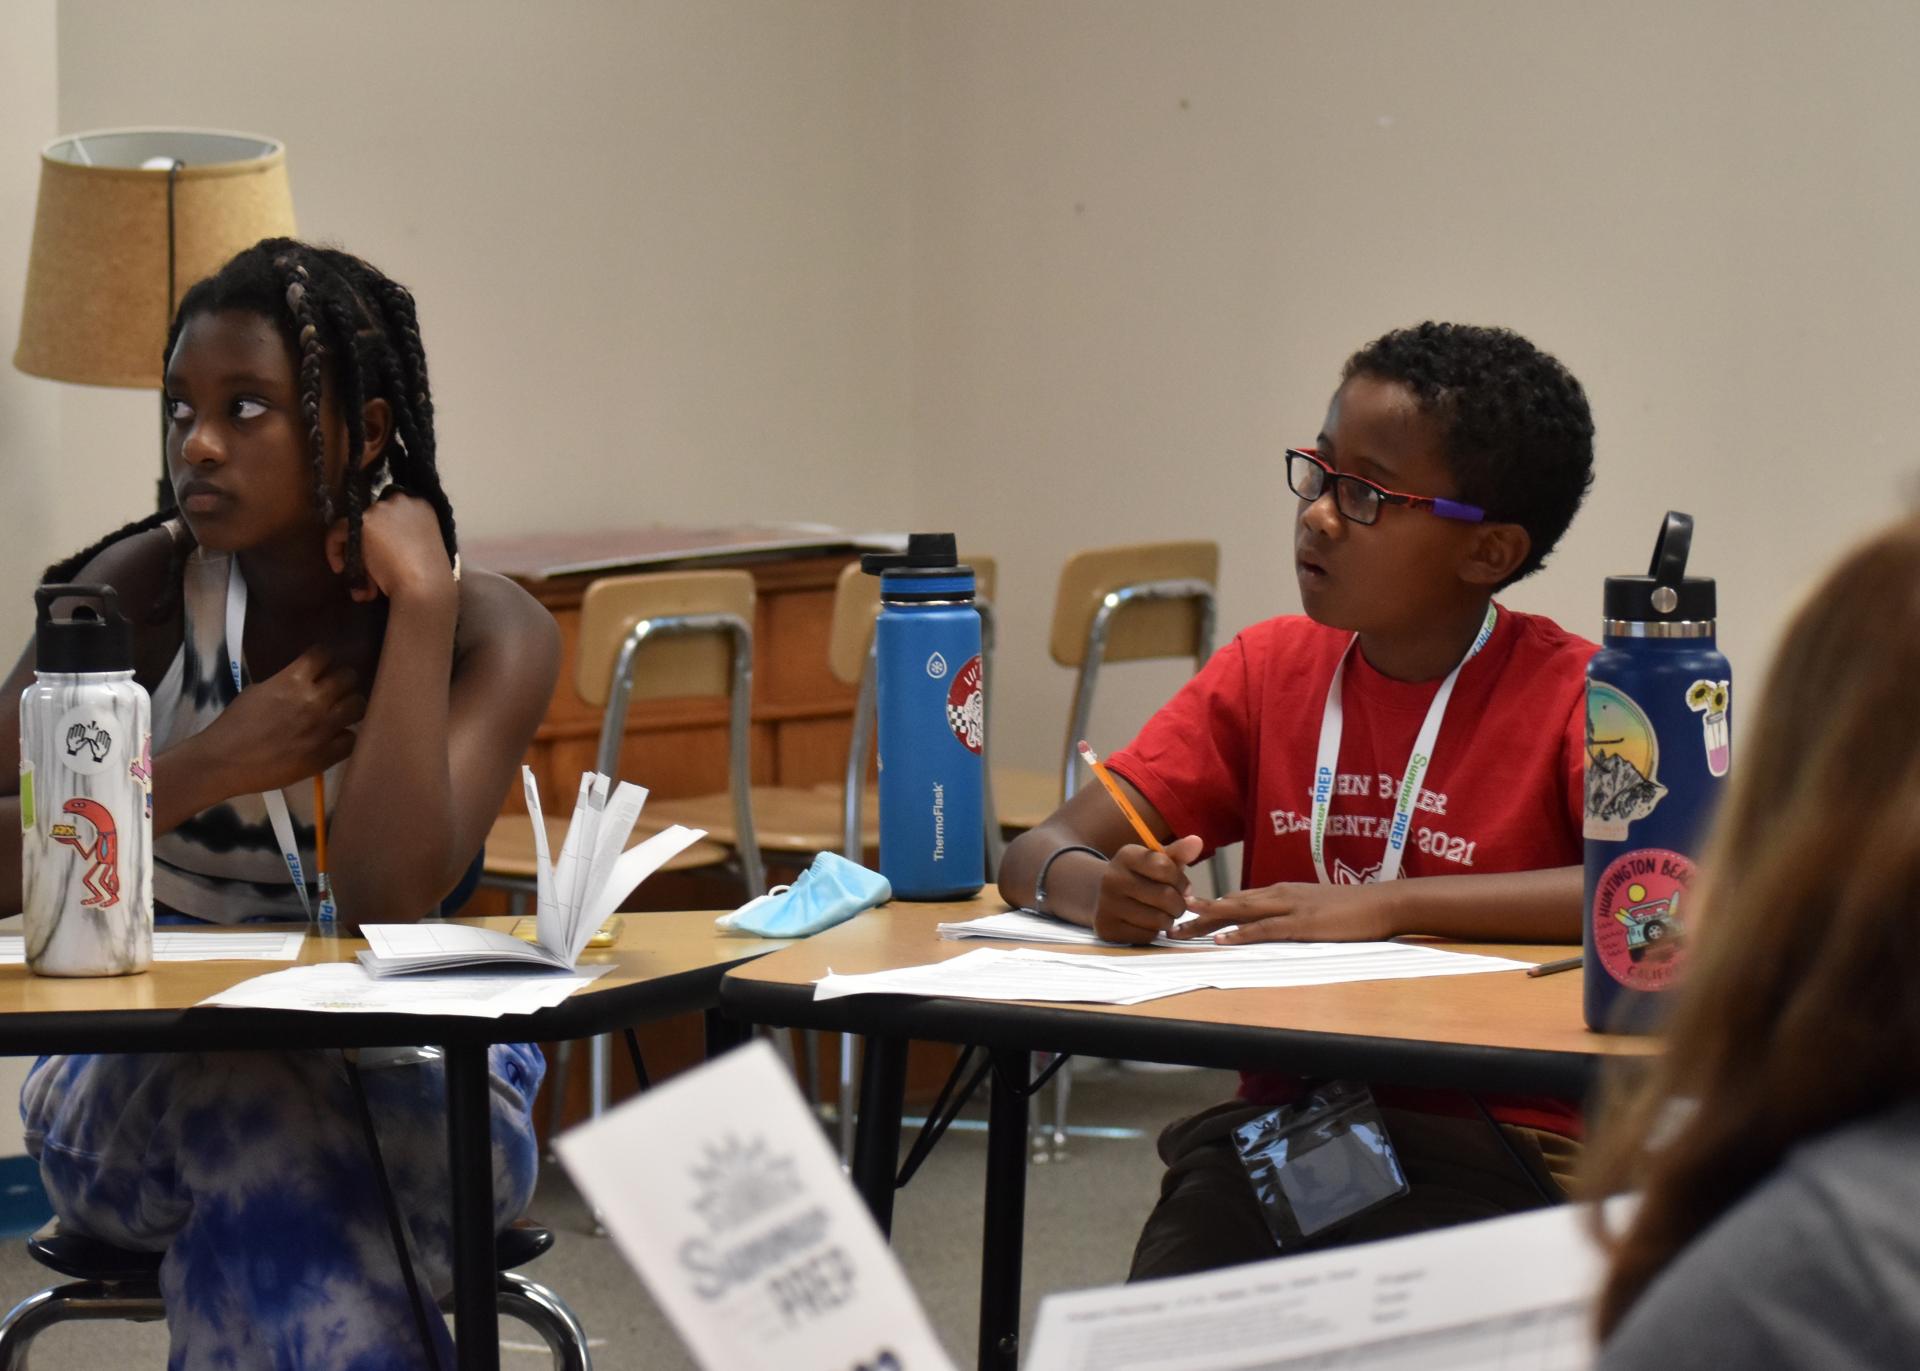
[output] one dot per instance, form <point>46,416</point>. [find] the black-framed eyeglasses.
<point>1359,499</point>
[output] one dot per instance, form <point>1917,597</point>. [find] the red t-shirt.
<point>1232,756</point>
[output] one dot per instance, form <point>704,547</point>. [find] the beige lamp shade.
<point>99,295</point>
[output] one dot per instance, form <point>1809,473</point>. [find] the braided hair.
<point>346,322</point>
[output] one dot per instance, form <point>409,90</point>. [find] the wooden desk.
<point>662,964</point>
<point>1499,1031</point>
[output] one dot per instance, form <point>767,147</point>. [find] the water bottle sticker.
<point>1637,927</point>
<point>91,833</point>
<point>1709,699</point>
<point>967,706</point>
<point>26,797</point>
<point>936,666</point>
<point>85,739</point>
<point>1623,761</point>
<point>141,769</point>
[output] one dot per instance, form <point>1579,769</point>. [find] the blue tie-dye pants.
<point>251,1171</point>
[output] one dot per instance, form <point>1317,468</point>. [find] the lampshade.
<point>100,286</point>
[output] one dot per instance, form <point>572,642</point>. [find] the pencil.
<point>323,885</point>
<point>1120,798</point>
<point>1548,968</point>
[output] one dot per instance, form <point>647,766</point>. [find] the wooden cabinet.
<point>802,716</point>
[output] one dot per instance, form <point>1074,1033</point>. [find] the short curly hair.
<point>1517,431</point>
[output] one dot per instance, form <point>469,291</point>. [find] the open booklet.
<point>596,871</point>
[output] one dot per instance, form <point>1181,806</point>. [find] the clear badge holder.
<point>1320,1161</point>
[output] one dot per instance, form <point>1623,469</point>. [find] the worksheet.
<point>1512,1294</point>
<point>720,1189</point>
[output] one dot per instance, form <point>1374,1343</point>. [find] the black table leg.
<point>476,1324</point>
<point>1006,1213</point>
<point>876,1135</point>
<point>724,1034</point>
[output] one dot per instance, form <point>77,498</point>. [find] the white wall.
<point>1146,235</point>
<point>659,248</point>
<point>31,474</point>
<point>1064,274</point>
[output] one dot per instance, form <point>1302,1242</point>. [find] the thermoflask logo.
<point>936,666</point>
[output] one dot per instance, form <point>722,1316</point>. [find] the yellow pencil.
<point>1119,797</point>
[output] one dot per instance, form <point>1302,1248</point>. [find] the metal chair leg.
<point>548,1315</point>
<point>849,1048</point>
<point>65,1303</point>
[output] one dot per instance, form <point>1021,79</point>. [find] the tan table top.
<point>662,964</point>
<point>1471,1022</point>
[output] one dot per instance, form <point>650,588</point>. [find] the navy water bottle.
<point>1658,716</point>
<point>932,721</point>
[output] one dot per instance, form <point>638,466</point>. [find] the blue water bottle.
<point>932,720</point>
<point>1658,717</point>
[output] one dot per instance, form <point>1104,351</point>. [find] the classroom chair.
<point>1138,602</point>
<point>675,634</point>
<point>117,1283</point>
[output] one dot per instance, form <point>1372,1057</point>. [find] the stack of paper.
<point>1030,926</point>
<point>1025,973</point>
<point>343,988</point>
<point>594,874</point>
<point>182,945</point>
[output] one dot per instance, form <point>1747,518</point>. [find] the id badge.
<point>1319,1161</point>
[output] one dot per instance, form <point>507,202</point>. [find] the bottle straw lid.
<point>1666,594</point>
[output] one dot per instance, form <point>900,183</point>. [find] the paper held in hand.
<point>574,895</point>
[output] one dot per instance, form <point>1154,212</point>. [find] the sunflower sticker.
<point>1709,699</point>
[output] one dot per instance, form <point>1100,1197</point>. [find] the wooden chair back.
<point>695,664</point>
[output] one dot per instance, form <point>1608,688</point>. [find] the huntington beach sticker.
<point>1638,931</point>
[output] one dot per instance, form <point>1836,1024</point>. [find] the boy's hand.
<point>1142,891</point>
<point>1296,912</point>
<point>401,550</point>
<point>291,726</point>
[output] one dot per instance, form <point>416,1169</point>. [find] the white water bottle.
<point>86,791</point>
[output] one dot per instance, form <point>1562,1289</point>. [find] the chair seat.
<point>784,819</point>
<point>510,852</point>
<point>1025,798</point>
<point>89,1259</point>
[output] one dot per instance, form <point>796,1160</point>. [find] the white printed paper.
<point>1510,1294</point>
<point>573,898</point>
<point>346,988</point>
<point>181,945</point>
<point>1027,973</point>
<point>719,1188</point>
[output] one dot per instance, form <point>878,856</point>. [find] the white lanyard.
<point>1333,723</point>
<point>275,801</point>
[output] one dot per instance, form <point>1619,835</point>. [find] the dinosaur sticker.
<point>101,850</point>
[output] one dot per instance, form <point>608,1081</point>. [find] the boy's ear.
<point>376,426</point>
<point>1494,553</point>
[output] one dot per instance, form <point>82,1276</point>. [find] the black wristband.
<point>1040,878</point>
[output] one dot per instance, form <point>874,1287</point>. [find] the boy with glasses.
<point>1406,757</point>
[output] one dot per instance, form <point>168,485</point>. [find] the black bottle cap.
<point>927,554</point>
<point>87,633</point>
<point>1666,594</point>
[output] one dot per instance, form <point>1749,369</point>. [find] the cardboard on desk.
<point>545,556</point>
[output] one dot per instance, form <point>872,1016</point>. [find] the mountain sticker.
<point>1623,759</point>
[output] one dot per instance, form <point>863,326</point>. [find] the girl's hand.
<point>293,725</point>
<point>1142,891</point>
<point>1297,912</point>
<point>400,549</point>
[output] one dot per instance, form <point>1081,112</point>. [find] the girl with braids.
<point>1776,1141</point>
<point>313,529</point>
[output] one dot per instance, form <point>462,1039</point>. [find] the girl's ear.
<point>1494,553</point>
<point>376,426</point>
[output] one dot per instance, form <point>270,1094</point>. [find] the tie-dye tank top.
<point>222,865</point>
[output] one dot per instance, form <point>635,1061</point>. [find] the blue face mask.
<point>829,892</point>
